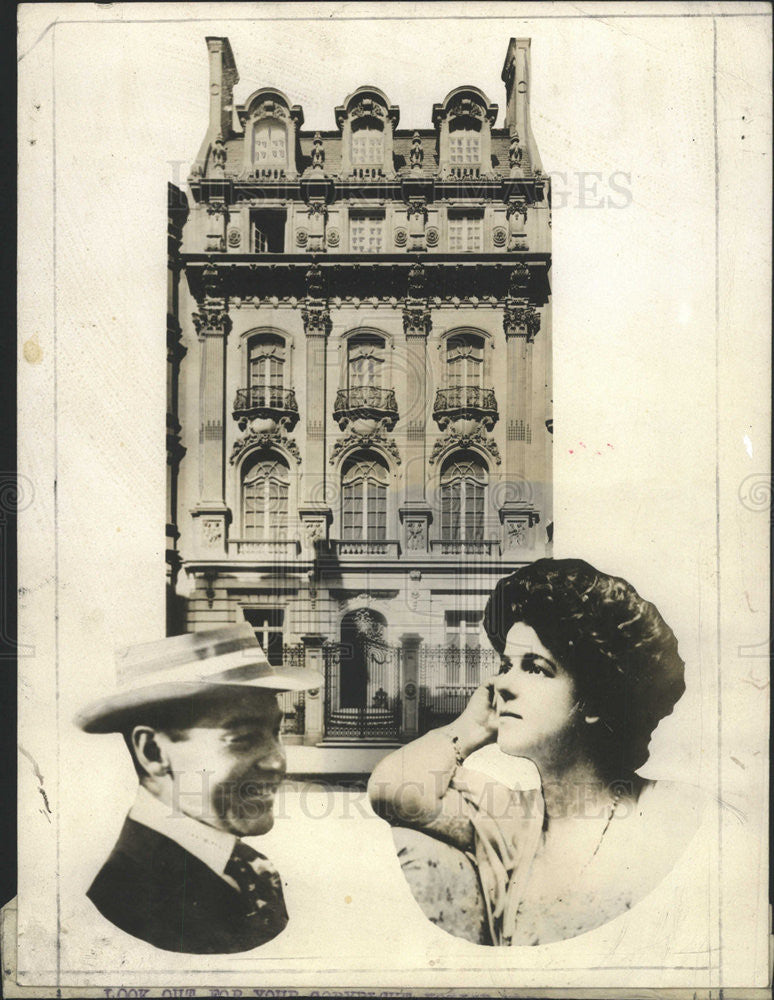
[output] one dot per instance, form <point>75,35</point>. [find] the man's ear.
<point>150,755</point>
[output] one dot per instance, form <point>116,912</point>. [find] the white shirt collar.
<point>208,844</point>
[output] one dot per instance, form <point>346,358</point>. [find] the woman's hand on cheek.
<point>477,724</point>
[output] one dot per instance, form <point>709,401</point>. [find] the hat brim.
<point>117,712</point>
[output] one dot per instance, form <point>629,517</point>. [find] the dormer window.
<point>269,144</point>
<point>464,147</point>
<point>368,147</point>
<point>367,121</point>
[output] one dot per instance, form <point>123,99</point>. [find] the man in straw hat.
<point>199,715</point>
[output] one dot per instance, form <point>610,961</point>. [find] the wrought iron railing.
<point>378,713</point>
<point>448,676</point>
<point>365,397</point>
<point>265,397</point>
<point>293,703</point>
<point>465,397</point>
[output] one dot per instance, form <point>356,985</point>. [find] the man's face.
<point>228,765</point>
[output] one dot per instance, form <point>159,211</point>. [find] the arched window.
<point>367,144</point>
<point>266,367</point>
<point>265,487</point>
<point>465,359</point>
<point>464,141</point>
<point>270,144</point>
<point>463,494</point>
<point>364,499</point>
<point>365,360</point>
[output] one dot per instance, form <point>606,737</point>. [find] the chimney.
<point>516,76</point>
<point>223,79</point>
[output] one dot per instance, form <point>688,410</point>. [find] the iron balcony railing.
<point>265,397</point>
<point>365,401</point>
<point>465,397</point>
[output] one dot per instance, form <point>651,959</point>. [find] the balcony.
<point>271,549</point>
<point>465,402</point>
<point>366,403</point>
<point>266,402</point>
<point>349,548</point>
<point>460,547</point>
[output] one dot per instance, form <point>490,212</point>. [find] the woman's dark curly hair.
<point>618,649</point>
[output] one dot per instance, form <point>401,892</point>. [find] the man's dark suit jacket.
<point>152,888</point>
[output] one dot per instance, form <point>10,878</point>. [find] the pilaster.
<point>415,513</point>
<point>211,514</point>
<point>316,516</point>
<point>313,716</point>
<point>410,643</point>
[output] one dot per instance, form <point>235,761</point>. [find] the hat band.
<point>170,663</point>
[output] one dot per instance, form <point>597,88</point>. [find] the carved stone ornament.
<point>463,439</point>
<point>432,236</point>
<point>466,107</point>
<point>417,280</point>
<point>302,237</point>
<point>333,237</point>
<point>517,534</point>
<point>401,237</point>
<point>315,282</point>
<point>314,530</point>
<point>417,154</point>
<point>516,207</point>
<point>499,236</point>
<point>219,153</point>
<point>417,207</point>
<point>234,237</point>
<point>417,320</point>
<point>317,320</point>
<point>217,208</point>
<point>265,440</point>
<point>212,532</point>
<point>515,151</point>
<point>518,281</point>
<point>415,535</point>
<point>521,321</point>
<point>212,318</point>
<point>317,207</point>
<point>376,438</point>
<point>318,153</point>
<point>270,109</point>
<point>367,108</point>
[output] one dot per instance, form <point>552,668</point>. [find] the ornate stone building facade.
<point>359,351</point>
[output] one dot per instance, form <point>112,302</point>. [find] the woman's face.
<point>535,697</point>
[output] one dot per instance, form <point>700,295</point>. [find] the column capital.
<point>212,319</point>
<point>520,319</point>
<point>417,321</point>
<point>317,318</point>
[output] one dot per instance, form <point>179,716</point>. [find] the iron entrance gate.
<point>363,702</point>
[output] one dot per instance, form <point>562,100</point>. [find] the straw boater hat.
<point>180,667</point>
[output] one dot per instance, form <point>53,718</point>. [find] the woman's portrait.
<point>588,669</point>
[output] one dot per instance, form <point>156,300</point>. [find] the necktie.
<point>260,887</point>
